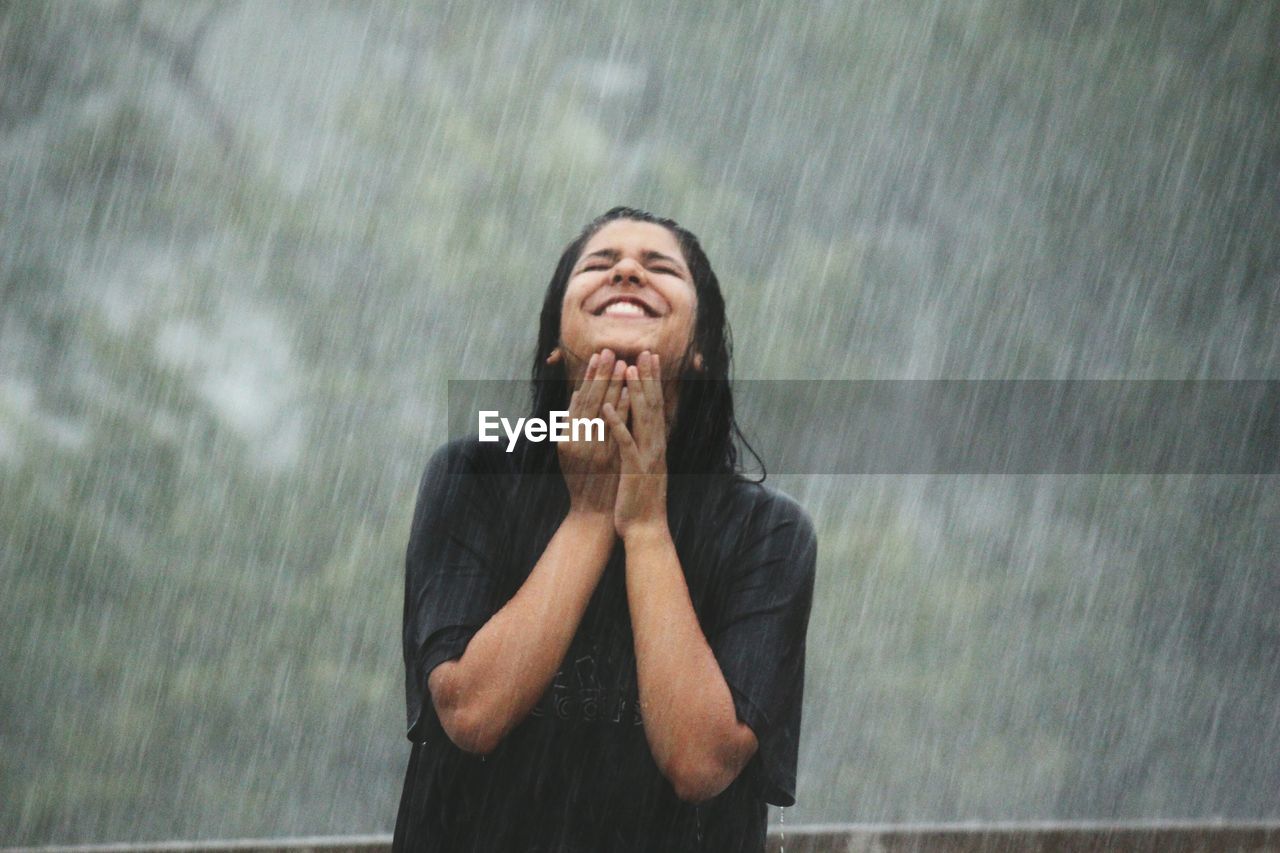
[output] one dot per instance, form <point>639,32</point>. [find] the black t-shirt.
<point>577,773</point>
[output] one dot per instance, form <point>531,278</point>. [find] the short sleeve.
<point>449,580</point>
<point>759,639</point>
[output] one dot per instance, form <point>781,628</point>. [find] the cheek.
<point>572,301</point>
<point>572,296</point>
<point>691,309</point>
<point>688,330</point>
<point>573,326</point>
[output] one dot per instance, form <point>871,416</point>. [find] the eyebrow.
<point>646,256</point>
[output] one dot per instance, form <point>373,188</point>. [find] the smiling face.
<point>630,290</point>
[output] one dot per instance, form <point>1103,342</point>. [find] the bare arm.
<point>511,660</point>
<point>509,663</point>
<point>689,716</point>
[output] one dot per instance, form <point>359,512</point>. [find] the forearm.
<point>688,711</point>
<point>510,661</point>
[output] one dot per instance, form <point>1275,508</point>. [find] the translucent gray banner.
<point>975,426</point>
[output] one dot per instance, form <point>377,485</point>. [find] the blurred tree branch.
<point>181,55</point>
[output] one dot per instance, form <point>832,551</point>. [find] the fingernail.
<point>592,363</point>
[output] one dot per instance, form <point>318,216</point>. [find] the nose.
<point>627,271</point>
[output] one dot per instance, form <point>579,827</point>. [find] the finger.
<point>584,383</point>
<point>636,385</point>
<point>624,407</point>
<point>635,393</point>
<point>642,407</point>
<point>598,383</point>
<point>616,383</point>
<point>659,396</point>
<point>648,363</point>
<point>621,434</point>
<point>611,397</point>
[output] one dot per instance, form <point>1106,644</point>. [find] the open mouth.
<point>627,307</point>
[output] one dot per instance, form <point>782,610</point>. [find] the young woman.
<point>604,641</point>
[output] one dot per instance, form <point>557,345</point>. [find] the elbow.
<point>695,791</point>
<point>697,781</point>
<point>470,728</point>
<point>698,775</point>
<point>469,733</point>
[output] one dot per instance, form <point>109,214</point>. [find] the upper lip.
<point>626,297</point>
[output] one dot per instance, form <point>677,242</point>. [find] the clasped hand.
<point>626,474</point>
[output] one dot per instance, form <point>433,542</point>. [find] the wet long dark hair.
<point>702,439</point>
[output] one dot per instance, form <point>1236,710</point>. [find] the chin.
<point>628,349</point>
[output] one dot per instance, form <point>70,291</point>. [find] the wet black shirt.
<point>577,774</point>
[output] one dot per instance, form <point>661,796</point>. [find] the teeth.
<point>624,309</point>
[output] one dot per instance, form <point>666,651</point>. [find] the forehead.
<point>631,235</point>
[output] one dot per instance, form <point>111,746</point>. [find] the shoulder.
<point>459,474</point>
<point>468,455</point>
<point>762,504</point>
<point>770,523</point>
